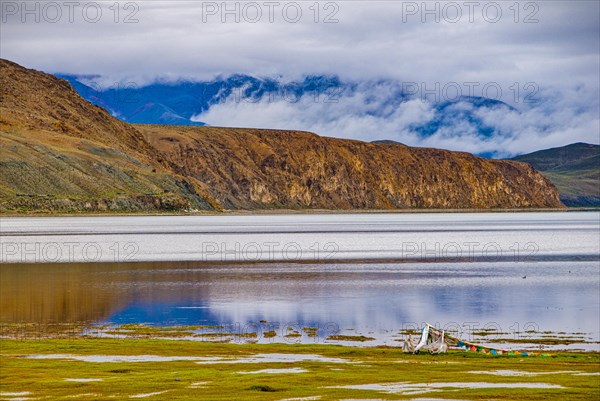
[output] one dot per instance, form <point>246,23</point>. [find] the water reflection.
<point>369,298</point>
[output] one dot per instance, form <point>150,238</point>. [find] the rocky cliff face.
<point>62,153</point>
<point>250,169</point>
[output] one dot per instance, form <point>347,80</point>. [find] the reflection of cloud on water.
<point>556,296</point>
<point>553,303</point>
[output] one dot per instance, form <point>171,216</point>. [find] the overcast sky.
<point>548,47</point>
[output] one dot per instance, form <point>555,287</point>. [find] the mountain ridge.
<point>574,169</point>
<point>183,102</point>
<point>48,130</point>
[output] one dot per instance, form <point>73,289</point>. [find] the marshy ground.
<point>161,369</point>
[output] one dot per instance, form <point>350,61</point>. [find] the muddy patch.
<point>146,395</point>
<point>198,385</point>
<point>422,388</point>
<point>513,373</point>
<point>258,358</point>
<point>83,380</point>
<point>276,358</point>
<point>313,398</point>
<point>119,358</point>
<point>16,396</point>
<point>274,371</point>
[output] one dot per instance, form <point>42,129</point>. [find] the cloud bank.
<point>369,113</point>
<point>546,49</point>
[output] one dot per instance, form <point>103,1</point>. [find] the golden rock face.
<point>254,169</point>
<point>62,153</point>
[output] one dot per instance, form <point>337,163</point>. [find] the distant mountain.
<point>176,103</point>
<point>62,153</point>
<point>461,112</point>
<point>574,169</point>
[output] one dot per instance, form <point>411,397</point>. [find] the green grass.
<point>187,380</point>
<point>573,169</point>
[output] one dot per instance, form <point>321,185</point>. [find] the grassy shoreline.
<point>213,371</point>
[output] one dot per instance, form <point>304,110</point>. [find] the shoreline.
<point>275,212</point>
<point>264,333</point>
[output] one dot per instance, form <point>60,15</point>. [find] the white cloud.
<point>369,40</point>
<point>367,114</point>
<point>361,114</point>
<point>560,54</point>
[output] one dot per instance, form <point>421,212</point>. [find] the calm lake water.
<point>361,274</point>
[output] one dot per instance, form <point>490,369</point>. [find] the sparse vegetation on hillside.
<point>574,169</point>
<point>61,153</point>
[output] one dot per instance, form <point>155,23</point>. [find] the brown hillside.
<point>60,152</point>
<point>37,101</point>
<point>251,168</point>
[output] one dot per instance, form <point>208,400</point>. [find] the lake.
<point>378,275</point>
